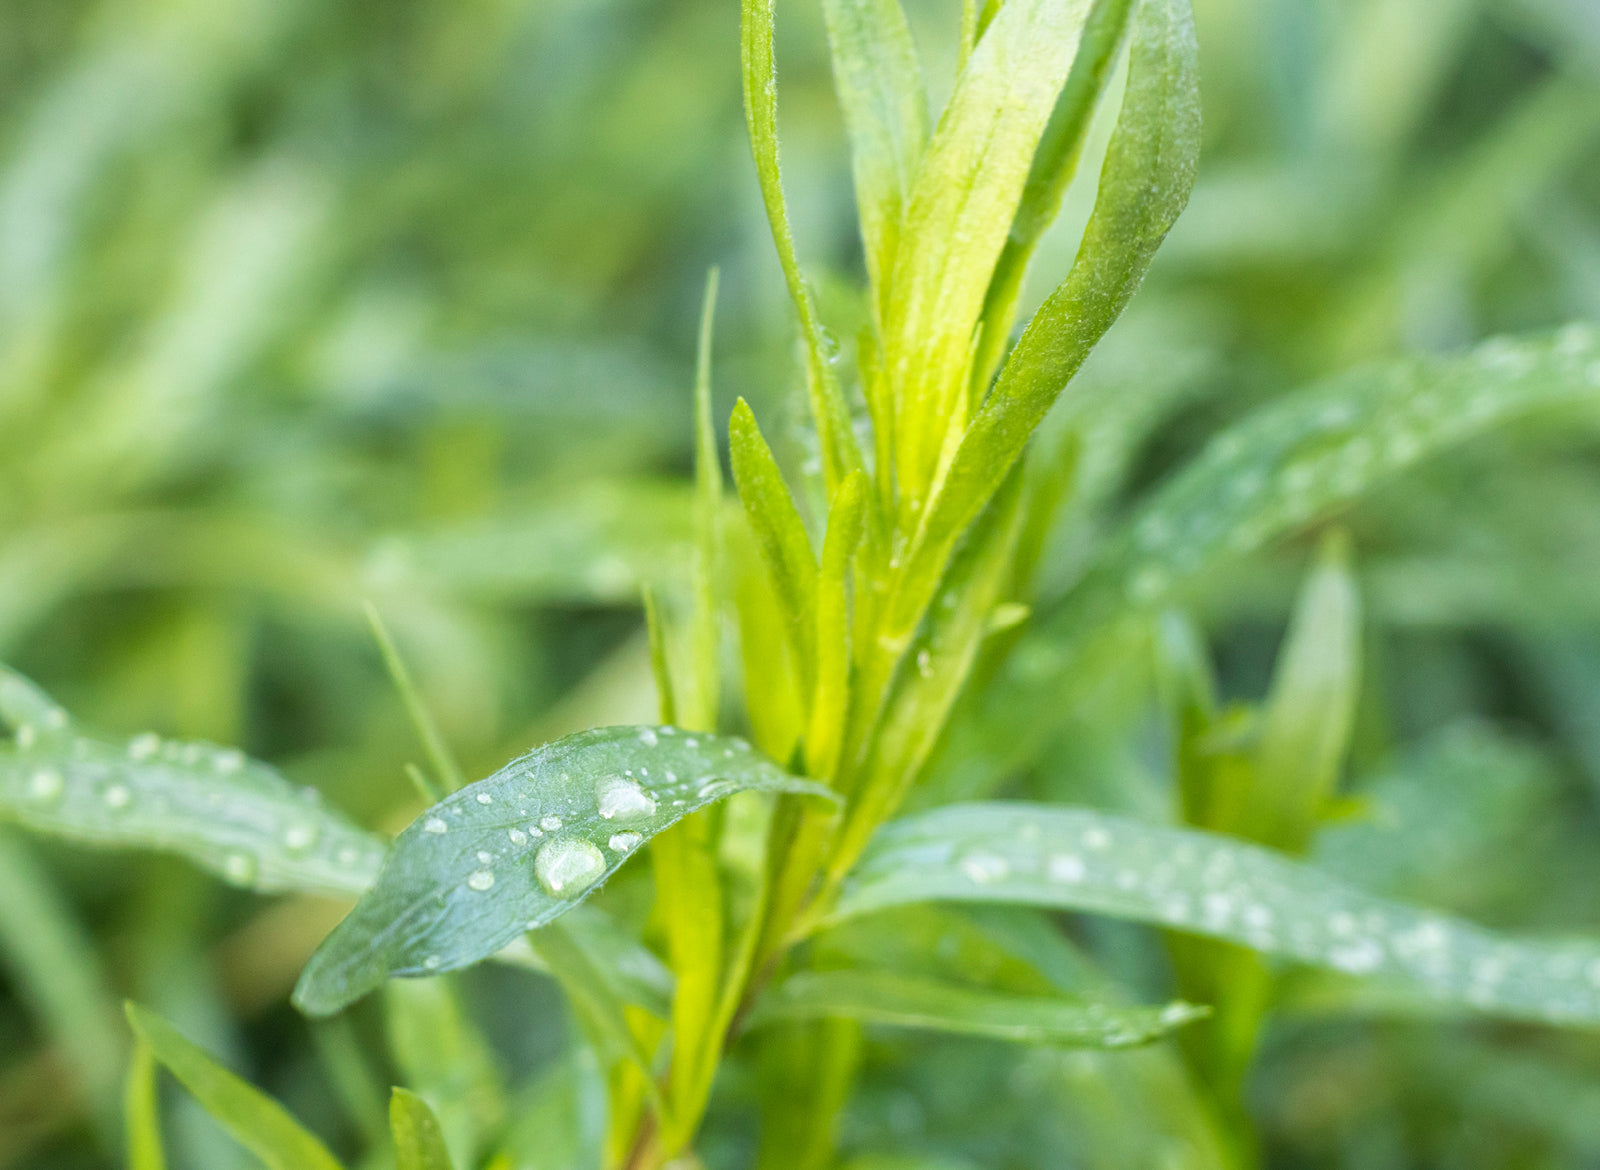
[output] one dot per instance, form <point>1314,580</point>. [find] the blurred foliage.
<point>308,305</point>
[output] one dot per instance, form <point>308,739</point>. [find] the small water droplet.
<point>142,747</point>
<point>239,868</point>
<point>1067,867</point>
<point>624,842</point>
<point>435,825</point>
<point>432,962</point>
<point>484,857</point>
<point>518,837</point>
<point>117,796</point>
<point>298,838</point>
<point>550,824</point>
<point>1096,838</point>
<point>1357,958</point>
<point>480,879</point>
<point>623,799</point>
<point>46,785</point>
<point>348,855</point>
<point>983,867</point>
<point>691,742</point>
<point>484,798</point>
<point>228,761</point>
<point>648,737</point>
<point>568,865</point>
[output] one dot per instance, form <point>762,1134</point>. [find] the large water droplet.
<point>568,865</point>
<point>622,799</point>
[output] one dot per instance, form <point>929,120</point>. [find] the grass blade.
<point>417,1138</point>
<point>879,82</point>
<point>906,1001</point>
<point>141,1109</point>
<point>1218,887</point>
<point>704,637</point>
<point>258,1122</point>
<point>519,849</point>
<point>226,813</point>
<point>831,699</point>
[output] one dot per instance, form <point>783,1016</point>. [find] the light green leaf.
<point>1218,887</point>
<point>967,191</point>
<point>258,1122</point>
<point>141,1108</point>
<point>840,455</point>
<point>1144,185</point>
<point>831,700</point>
<point>1054,167</point>
<point>1298,459</point>
<point>908,1001</point>
<point>417,1137</point>
<point>1305,729</point>
<point>780,534</point>
<point>879,82</point>
<point>519,849</point>
<point>705,638</point>
<point>441,1053</point>
<point>221,810</point>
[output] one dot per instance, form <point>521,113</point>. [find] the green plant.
<point>786,911</point>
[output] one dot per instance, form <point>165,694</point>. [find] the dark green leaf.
<point>514,851</point>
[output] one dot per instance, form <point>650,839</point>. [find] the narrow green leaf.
<point>908,1001</point>
<point>255,1120</point>
<point>759,71</point>
<point>226,813</point>
<point>417,1138</point>
<point>879,82</point>
<point>1303,456</point>
<point>441,1053</point>
<point>517,850</point>
<point>705,639</point>
<point>966,193</point>
<point>1218,887</point>
<point>1305,730</point>
<point>52,961</point>
<point>660,666</point>
<point>780,534</point>
<point>1144,185</point>
<point>445,768</point>
<point>831,700</point>
<point>141,1108</point>
<point>1054,167</point>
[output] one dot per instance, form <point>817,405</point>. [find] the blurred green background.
<point>306,304</point>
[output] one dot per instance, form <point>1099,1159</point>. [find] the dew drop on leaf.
<point>568,865</point>
<point>623,799</point>
<point>239,868</point>
<point>550,823</point>
<point>46,785</point>
<point>435,825</point>
<point>624,842</point>
<point>480,879</point>
<point>117,796</point>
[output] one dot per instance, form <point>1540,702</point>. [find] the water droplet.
<point>484,857</point>
<point>1096,838</point>
<point>1258,918</point>
<point>518,837</point>
<point>648,737</point>
<point>623,799</point>
<point>982,867</point>
<point>144,746</point>
<point>435,825</point>
<point>348,855</point>
<point>710,789</point>
<point>480,879</point>
<point>624,842</point>
<point>1174,1014</point>
<point>1218,908</point>
<point>484,798</point>
<point>924,664</point>
<point>228,761</point>
<point>1357,958</point>
<point>117,796</point>
<point>432,962</point>
<point>299,837</point>
<point>568,865</point>
<point>1067,867</point>
<point>25,737</point>
<point>550,824</point>
<point>239,868</point>
<point>46,785</point>
<point>691,743</point>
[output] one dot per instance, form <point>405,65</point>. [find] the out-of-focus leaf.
<point>960,210</point>
<point>1144,184</point>
<point>840,455</point>
<point>514,851</point>
<point>257,1121</point>
<point>1305,729</point>
<point>1219,887</point>
<point>442,1054</point>
<point>214,806</point>
<point>141,1109</point>
<point>417,1137</point>
<point>780,534</point>
<point>879,82</point>
<point>58,974</point>
<point>906,1001</point>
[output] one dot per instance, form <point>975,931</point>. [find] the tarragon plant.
<point>892,651</point>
